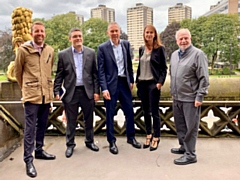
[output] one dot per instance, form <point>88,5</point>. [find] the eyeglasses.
<point>77,36</point>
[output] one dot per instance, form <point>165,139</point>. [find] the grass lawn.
<point>3,78</point>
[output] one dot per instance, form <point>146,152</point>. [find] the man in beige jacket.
<point>33,70</point>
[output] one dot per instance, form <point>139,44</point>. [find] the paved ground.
<point>217,159</point>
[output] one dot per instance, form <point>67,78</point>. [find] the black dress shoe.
<point>113,148</point>
<point>92,146</point>
<point>134,143</point>
<point>184,160</point>
<point>177,151</point>
<point>30,170</point>
<point>44,155</point>
<point>69,152</point>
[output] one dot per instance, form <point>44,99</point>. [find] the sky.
<point>48,8</point>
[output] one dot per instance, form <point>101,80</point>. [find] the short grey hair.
<point>113,23</point>
<point>183,30</point>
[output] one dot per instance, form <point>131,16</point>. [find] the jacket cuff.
<point>199,98</point>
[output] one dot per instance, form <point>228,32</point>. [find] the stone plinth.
<point>11,118</point>
<point>10,91</point>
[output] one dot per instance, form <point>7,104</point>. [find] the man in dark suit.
<point>77,72</point>
<point>115,75</point>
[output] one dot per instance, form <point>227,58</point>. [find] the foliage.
<point>6,53</point>
<point>123,35</point>
<point>57,29</point>
<point>168,38</point>
<point>223,71</point>
<point>219,30</point>
<point>217,35</point>
<point>196,27</point>
<point>94,32</point>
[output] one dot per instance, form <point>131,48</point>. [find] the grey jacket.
<point>66,73</point>
<point>189,75</point>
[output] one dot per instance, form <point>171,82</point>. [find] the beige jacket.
<point>33,73</point>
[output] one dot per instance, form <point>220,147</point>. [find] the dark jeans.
<point>150,96</point>
<point>36,117</point>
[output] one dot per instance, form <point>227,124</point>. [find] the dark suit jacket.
<point>66,73</point>
<point>157,63</point>
<point>107,66</point>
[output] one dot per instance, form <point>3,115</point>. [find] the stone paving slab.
<point>217,159</point>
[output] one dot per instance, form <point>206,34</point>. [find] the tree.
<point>168,38</point>
<point>94,32</point>
<point>6,53</point>
<point>57,30</point>
<point>196,28</point>
<point>217,35</point>
<point>124,36</point>
<point>220,38</point>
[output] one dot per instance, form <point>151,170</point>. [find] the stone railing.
<point>218,119</point>
<point>219,116</point>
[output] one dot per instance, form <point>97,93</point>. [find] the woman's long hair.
<point>156,40</point>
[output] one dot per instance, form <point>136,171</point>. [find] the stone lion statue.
<point>21,28</point>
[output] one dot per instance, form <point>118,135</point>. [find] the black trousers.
<point>36,117</point>
<point>150,96</point>
<point>81,99</point>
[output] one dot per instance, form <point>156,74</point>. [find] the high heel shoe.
<point>154,142</point>
<point>148,142</point>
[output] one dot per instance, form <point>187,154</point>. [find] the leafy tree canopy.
<point>168,38</point>
<point>57,29</point>
<point>94,32</point>
<point>6,52</point>
<point>217,35</point>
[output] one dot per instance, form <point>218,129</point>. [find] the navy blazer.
<point>157,63</point>
<point>107,66</point>
<point>66,73</point>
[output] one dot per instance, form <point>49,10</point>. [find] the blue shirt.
<point>78,61</point>
<point>117,50</point>
<point>180,53</point>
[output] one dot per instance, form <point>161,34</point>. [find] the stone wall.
<point>11,118</point>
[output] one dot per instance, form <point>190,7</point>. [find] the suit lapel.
<point>70,54</point>
<point>84,56</point>
<point>111,52</point>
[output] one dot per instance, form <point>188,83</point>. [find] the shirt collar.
<point>36,46</point>
<point>114,44</point>
<point>75,51</point>
<point>181,53</point>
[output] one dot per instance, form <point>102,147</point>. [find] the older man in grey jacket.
<point>189,84</point>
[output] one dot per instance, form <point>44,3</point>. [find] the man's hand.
<point>158,85</point>
<point>131,86</point>
<point>96,97</point>
<point>106,95</point>
<point>57,97</point>
<point>197,103</point>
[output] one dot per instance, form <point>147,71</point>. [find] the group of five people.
<point>82,77</point>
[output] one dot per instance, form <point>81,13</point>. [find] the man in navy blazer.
<point>77,72</point>
<point>115,76</point>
